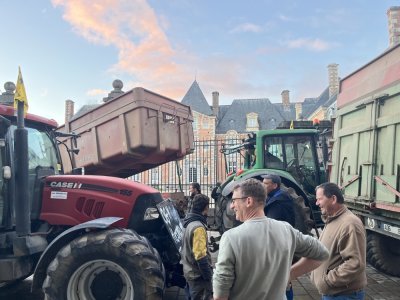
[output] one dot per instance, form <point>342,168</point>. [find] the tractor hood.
<point>73,199</point>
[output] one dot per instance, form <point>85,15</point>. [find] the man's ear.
<point>249,201</point>
<point>334,198</point>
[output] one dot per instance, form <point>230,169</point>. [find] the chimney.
<point>299,110</point>
<point>393,14</point>
<point>215,103</point>
<point>333,79</point>
<point>285,99</point>
<point>69,110</point>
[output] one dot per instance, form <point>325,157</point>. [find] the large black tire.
<point>303,221</point>
<point>383,252</point>
<point>110,264</point>
<point>225,217</point>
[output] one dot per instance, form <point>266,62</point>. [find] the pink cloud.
<point>133,28</point>
<point>145,53</point>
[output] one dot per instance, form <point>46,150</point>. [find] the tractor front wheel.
<point>110,264</point>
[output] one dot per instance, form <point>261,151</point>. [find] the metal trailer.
<point>366,154</point>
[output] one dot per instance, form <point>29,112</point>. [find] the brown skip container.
<point>134,132</point>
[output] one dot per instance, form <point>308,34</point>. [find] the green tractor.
<point>298,156</point>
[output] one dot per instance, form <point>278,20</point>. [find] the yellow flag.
<point>20,94</point>
<point>291,125</point>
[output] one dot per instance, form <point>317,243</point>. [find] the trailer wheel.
<point>383,252</point>
<point>110,264</point>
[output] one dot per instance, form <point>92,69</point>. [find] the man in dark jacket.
<point>194,190</point>
<point>195,257</point>
<point>279,206</point>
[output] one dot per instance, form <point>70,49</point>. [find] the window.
<point>206,123</point>
<point>41,151</point>
<point>232,166</point>
<point>192,174</point>
<point>273,157</point>
<point>154,176</point>
<point>231,138</point>
<point>205,171</point>
<point>252,120</point>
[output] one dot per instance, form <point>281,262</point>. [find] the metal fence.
<point>206,165</point>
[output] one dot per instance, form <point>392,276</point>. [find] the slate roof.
<point>322,100</point>
<point>233,117</point>
<point>195,99</point>
<point>287,114</point>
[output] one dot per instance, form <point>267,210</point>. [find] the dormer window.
<point>252,122</point>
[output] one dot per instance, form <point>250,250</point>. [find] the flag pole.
<point>22,205</point>
<point>20,115</point>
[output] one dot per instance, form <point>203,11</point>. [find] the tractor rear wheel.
<point>110,264</point>
<point>303,221</point>
<point>383,252</point>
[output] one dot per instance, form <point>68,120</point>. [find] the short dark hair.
<point>331,189</point>
<point>274,178</point>
<point>252,188</point>
<point>199,203</point>
<point>196,186</point>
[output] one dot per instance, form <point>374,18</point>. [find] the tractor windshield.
<point>41,151</point>
<point>294,154</point>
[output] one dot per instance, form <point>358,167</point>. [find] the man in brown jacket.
<point>343,275</point>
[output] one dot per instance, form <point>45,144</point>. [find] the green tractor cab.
<point>298,156</point>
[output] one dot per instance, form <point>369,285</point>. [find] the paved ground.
<point>380,287</point>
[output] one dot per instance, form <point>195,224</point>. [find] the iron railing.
<point>206,165</point>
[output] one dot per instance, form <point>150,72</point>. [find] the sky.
<point>74,49</point>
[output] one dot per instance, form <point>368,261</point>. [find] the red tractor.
<point>81,236</point>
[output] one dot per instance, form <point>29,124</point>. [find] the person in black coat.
<point>279,206</point>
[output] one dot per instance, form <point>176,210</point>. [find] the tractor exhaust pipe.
<point>22,205</point>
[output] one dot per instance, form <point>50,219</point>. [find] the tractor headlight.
<point>151,213</point>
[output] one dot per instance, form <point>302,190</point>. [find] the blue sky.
<point>74,49</point>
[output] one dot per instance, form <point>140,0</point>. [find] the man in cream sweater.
<point>342,275</point>
<point>254,258</point>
